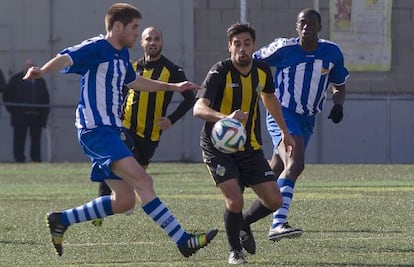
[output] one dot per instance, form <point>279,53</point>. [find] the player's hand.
<point>164,123</point>
<point>336,113</point>
<point>239,115</point>
<point>182,86</point>
<point>289,143</point>
<point>33,73</point>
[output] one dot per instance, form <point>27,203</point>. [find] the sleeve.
<point>80,58</point>
<point>270,53</point>
<point>179,75</point>
<point>188,95</point>
<point>339,74</point>
<point>214,81</point>
<point>85,54</point>
<point>131,74</point>
<point>183,107</point>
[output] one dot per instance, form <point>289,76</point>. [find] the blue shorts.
<point>297,124</point>
<point>103,145</point>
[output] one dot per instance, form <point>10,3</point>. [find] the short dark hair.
<point>238,27</point>
<point>312,11</point>
<point>121,12</point>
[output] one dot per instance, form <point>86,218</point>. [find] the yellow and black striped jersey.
<point>229,90</point>
<point>142,110</point>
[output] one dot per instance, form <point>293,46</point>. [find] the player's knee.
<point>274,202</point>
<point>234,205</point>
<point>144,182</point>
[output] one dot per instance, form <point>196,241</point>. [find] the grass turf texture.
<point>353,215</point>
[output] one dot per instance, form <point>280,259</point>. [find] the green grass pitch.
<point>353,215</point>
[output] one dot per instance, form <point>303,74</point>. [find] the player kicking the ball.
<point>104,65</point>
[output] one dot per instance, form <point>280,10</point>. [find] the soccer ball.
<point>228,135</point>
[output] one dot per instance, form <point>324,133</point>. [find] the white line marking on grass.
<point>108,244</point>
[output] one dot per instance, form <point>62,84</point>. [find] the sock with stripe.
<point>286,189</point>
<point>98,208</point>
<point>164,218</point>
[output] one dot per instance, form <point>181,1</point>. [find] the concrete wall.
<point>378,124</point>
<point>41,28</point>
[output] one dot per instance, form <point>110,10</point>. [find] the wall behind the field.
<point>40,29</point>
<point>378,124</point>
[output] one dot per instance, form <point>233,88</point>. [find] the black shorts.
<point>250,167</point>
<point>142,149</point>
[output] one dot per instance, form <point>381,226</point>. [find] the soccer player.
<point>104,65</point>
<point>232,88</point>
<point>145,113</point>
<point>306,67</point>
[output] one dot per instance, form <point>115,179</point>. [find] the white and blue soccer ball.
<point>228,135</point>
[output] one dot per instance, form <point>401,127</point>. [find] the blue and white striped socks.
<point>97,208</point>
<point>286,189</point>
<point>163,217</point>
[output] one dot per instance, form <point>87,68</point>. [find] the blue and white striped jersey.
<point>103,71</point>
<point>303,78</point>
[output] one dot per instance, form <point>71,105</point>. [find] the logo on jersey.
<point>269,173</point>
<point>270,49</point>
<point>324,71</point>
<point>220,170</point>
<point>213,72</point>
<point>233,85</point>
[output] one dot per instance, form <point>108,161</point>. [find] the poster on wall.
<point>362,28</point>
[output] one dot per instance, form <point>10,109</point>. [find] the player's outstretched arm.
<point>144,84</point>
<point>55,64</point>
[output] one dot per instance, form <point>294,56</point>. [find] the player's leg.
<point>142,150</point>
<point>103,190</point>
<point>135,175</point>
<point>223,169</point>
<point>286,182</point>
<point>233,218</point>
<point>104,147</point>
<point>122,199</point>
<point>257,174</point>
<point>276,163</point>
<point>300,127</point>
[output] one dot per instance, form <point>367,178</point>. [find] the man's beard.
<point>243,62</point>
<point>154,53</point>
